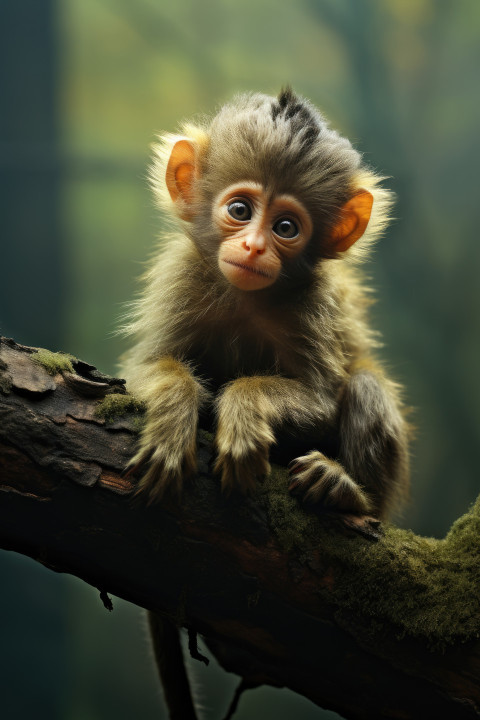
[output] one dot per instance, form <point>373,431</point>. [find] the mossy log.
<point>371,622</point>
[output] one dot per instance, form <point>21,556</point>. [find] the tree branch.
<point>370,624</point>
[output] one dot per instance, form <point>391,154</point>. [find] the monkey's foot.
<point>242,473</point>
<point>317,479</point>
<point>166,467</point>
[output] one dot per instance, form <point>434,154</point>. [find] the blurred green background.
<point>84,87</point>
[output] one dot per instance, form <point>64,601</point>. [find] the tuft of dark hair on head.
<point>286,96</point>
<point>298,113</point>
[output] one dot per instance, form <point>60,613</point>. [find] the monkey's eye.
<point>240,210</point>
<point>285,228</point>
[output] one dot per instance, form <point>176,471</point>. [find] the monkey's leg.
<point>372,467</point>
<point>248,410</point>
<point>171,668</point>
<point>168,441</point>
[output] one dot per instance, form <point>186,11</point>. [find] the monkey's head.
<point>269,190</point>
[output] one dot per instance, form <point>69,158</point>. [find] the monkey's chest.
<point>223,357</point>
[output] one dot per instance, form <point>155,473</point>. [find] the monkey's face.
<point>260,232</point>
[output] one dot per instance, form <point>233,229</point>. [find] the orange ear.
<point>353,221</point>
<point>181,173</point>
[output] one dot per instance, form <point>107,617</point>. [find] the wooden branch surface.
<point>336,616</point>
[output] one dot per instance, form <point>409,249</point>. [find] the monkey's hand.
<point>168,440</point>
<point>243,437</point>
<point>169,452</point>
<point>317,479</point>
<point>239,465</point>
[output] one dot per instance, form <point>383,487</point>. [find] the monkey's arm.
<point>374,438</point>
<point>173,397</point>
<point>249,409</point>
<point>373,468</point>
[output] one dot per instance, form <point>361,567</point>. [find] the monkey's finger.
<point>294,487</point>
<point>299,465</point>
<point>320,490</point>
<point>301,482</point>
<point>305,475</point>
<point>295,467</point>
<point>305,461</point>
<point>340,492</point>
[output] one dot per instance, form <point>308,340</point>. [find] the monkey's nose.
<point>254,245</point>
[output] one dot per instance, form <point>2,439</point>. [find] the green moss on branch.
<point>421,587</point>
<point>117,405</point>
<point>54,362</point>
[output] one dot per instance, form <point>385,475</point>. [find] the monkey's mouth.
<point>249,268</point>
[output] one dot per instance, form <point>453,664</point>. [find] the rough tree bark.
<point>370,622</point>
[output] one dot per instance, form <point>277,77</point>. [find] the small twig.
<point>244,685</point>
<point>106,600</point>
<point>193,647</point>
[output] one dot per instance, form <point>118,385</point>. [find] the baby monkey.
<point>255,309</point>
